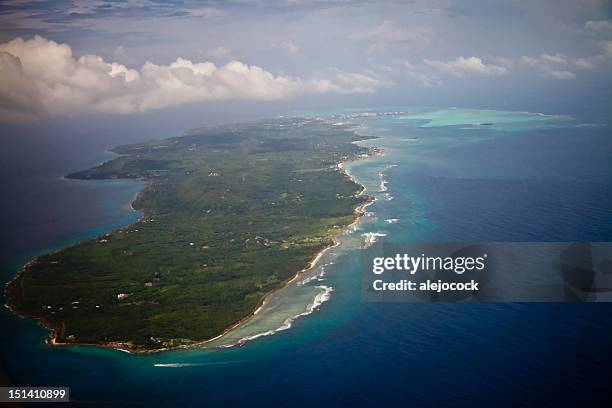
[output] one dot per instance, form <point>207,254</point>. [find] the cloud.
<point>432,73</point>
<point>422,74</point>
<point>353,82</point>
<point>120,53</point>
<point>290,47</point>
<point>607,47</point>
<point>86,7</point>
<point>464,67</point>
<point>560,66</point>
<point>602,27</point>
<point>42,77</point>
<point>553,66</point>
<point>389,33</point>
<point>206,12</point>
<point>219,53</point>
<point>585,63</point>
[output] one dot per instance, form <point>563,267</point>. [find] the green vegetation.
<point>230,214</point>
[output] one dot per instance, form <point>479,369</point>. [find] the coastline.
<point>126,347</point>
<point>359,212</point>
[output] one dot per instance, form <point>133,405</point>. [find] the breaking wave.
<point>370,238</point>
<point>321,297</point>
<point>319,276</point>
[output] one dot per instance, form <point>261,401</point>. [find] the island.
<point>229,215</point>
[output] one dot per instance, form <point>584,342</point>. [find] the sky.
<point>186,62</point>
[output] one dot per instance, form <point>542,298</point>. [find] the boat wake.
<point>182,365</point>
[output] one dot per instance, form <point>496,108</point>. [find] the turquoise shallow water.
<point>523,178</point>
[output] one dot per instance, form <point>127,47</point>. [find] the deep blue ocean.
<point>454,179</point>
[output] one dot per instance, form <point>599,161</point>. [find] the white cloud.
<point>120,53</point>
<point>432,73</point>
<point>389,33</point>
<point>560,66</point>
<point>287,46</point>
<point>562,75</point>
<point>424,76</point>
<point>353,82</point>
<point>464,67</point>
<point>607,47</point>
<point>602,27</point>
<point>206,12</point>
<point>85,7</point>
<point>42,77</point>
<point>585,63</point>
<point>219,53</point>
<point>552,66</point>
<point>290,47</point>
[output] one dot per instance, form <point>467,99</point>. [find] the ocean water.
<point>447,175</point>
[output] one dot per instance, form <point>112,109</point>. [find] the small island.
<point>230,214</point>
